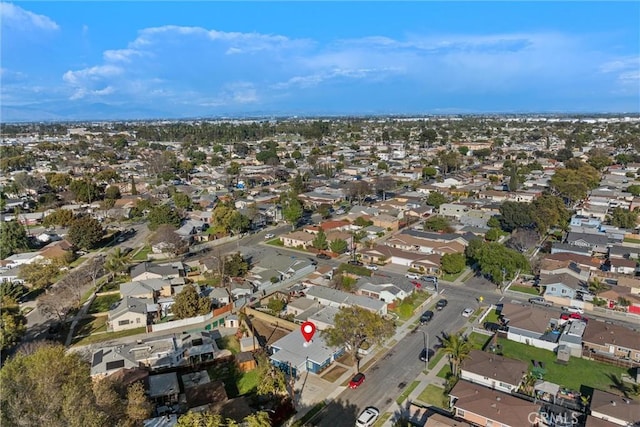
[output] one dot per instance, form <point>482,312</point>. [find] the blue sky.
<point>129,60</point>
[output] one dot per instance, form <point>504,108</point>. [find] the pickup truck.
<point>540,301</point>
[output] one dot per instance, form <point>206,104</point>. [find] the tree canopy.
<point>496,261</point>
<point>353,326</point>
<point>85,232</point>
<point>163,214</point>
<point>48,387</point>
<point>13,238</point>
<point>12,322</point>
<point>189,304</point>
<point>453,263</point>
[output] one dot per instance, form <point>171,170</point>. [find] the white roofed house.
<point>293,357</point>
<point>386,292</point>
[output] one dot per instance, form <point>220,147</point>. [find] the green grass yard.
<point>141,255</point>
<point>576,373</point>
<point>524,289</point>
<point>434,395</point>
<point>408,305</point>
<point>103,303</point>
<point>230,342</point>
<point>451,277</point>
<point>478,340</point>
<point>492,317</point>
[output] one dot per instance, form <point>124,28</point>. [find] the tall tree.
<point>457,347</point>
<point>189,304</point>
<point>338,246</point>
<point>116,262</point>
<point>353,326</point>
<point>320,241</point>
<point>85,232</point>
<point>12,322</point>
<point>292,210</point>
<point>163,214</point>
<point>13,238</point>
<point>138,406</point>
<point>271,380</point>
<point>48,387</point>
<point>453,263</point>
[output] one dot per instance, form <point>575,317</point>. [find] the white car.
<point>372,267</point>
<point>573,309</point>
<point>412,276</point>
<point>269,236</point>
<point>467,312</point>
<point>368,417</point>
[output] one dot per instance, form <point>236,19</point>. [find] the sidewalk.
<point>315,389</point>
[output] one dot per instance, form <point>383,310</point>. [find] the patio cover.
<point>547,387</point>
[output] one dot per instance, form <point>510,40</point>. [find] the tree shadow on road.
<point>335,413</point>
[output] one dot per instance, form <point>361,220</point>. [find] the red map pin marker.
<point>308,329</point>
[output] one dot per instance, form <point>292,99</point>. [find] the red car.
<point>573,316</point>
<point>356,380</point>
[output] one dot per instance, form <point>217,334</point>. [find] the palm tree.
<point>458,348</point>
<point>116,262</point>
<point>596,286</point>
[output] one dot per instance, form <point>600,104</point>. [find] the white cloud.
<point>18,18</point>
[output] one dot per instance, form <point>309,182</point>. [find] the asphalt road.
<point>400,366</point>
<point>38,325</point>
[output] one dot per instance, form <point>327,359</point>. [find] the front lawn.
<point>355,269</point>
<point>276,242</point>
<point>103,303</point>
<point>478,340</point>
<point>492,317</point>
<point>141,255</point>
<point>91,325</point>
<point>451,277</point>
<point>434,395</point>
<point>524,289</point>
<point>236,382</point>
<point>576,373</point>
<point>407,307</point>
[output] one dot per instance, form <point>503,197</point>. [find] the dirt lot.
<point>269,331</point>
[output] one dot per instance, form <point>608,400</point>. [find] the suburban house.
<point>617,410</point>
<point>293,357</point>
<point>156,353</point>
<point>386,292</point>
<point>622,265</point>
<point>337,298</point>
<point>618,294</point>
<point>493,371</point>
<point>149,289</point>
<point>388,222</point>
<point>611,341</point>
<point>595,242</point>
<point>562,285</point>
<point>129,313</point>
<point>531,325</point>
<point>149,270</point>
<point>278,268</point>
<point>552,263</point>
<point>323,317</point>
<point>297,239</point>
<point>482,406</point>
<point>557,248</point>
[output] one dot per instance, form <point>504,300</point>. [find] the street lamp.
<point>425,340</point>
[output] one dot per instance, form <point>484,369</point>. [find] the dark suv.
<point>441,304</point>
<point>323,256</point>
<point>426,316</point>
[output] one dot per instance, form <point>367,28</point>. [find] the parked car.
<point>269,236</point>
<point>573,309</point>
<point>432,279</point>
<point>357,380</point>
<point>424,353</point>
<point>426,316</point>
<point>467,312</point>
<point>355,262</point>
<point>540,301</point>
<point>372,267</point>
<point>367,417</point>
<point>441,304</point>
<point>573,316</point>
<point>412,276</point>
<point>323,256</point>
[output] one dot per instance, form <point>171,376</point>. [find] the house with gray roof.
<point>386,292</point>
<point>293,355</point>
<point>280,267</point>
<point>595,242</point>
<point>531,325</point>
<point>322,318</point>
<point>337,298</point>
<point>558,248</point>
<point>564,285</point>
<point>129,313</point>
<point>149,270</point>
<point>149,289</point>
